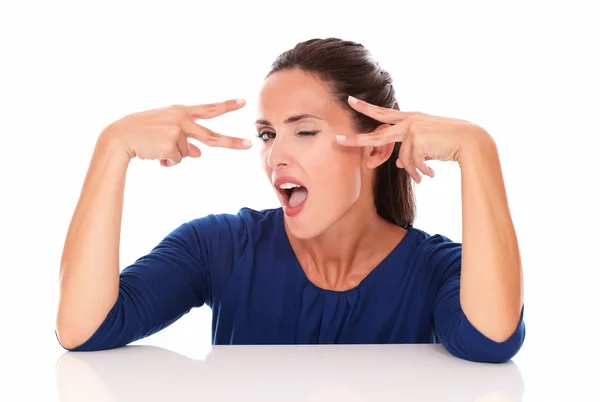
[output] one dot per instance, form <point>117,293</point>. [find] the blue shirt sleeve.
<point>162,286</point>
<point>442,260</point>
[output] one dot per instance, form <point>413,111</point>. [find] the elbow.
<point>464,340</point>
<point>499,331</point>
<point>68,339</point>
<point>70,336</point>
<point>494,353</point>
<point>84,331</point>
<point>72,330</point>
<point>76,324</point>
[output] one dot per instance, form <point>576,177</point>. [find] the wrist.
<point>478,147</point>
<point>110,145</point>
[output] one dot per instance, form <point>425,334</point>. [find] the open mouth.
<point>294,195</point>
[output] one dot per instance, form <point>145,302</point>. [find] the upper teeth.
<point>287,186</point>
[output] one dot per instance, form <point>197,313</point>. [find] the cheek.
<point>339,176</point>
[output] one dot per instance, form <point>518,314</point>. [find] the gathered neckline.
<point>368,278</point>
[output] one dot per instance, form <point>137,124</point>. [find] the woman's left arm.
<point>491,284</point>
<point>491,289</point>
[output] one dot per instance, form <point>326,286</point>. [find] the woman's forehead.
<point>289,93</point>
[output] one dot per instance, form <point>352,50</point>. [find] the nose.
<point>278,154</point>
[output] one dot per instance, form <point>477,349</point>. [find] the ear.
<point>375,156</point>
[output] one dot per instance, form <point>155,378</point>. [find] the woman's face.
<point>316,179</point>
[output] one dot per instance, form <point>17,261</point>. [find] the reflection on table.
<point>285,373</point>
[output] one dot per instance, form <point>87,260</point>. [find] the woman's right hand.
<point>163,134</point>
<point>89,267</point>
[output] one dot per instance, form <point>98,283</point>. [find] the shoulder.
<point>434,246</point>
<point>436,256</point>
<point>226,242</point>
<point>232,233</point>
<point>246,220</point>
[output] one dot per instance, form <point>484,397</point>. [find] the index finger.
<point>379,137</point>
<point>212,139</point>
<point>382,114</point>
<point>210,110</point>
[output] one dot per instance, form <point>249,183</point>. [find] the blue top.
<point>244,268</point>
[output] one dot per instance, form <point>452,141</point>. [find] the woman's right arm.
<point>89,269</point>
<point>90,281</point>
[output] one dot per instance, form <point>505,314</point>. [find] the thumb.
<point>194,151</point>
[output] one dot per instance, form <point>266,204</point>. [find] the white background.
<point>526,71</point>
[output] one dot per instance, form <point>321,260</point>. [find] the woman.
<point>340,262</point>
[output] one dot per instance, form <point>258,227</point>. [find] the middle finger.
<point>211,138</point>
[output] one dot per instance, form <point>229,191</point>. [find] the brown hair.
<point>347,68</point>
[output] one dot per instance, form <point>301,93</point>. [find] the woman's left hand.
<point>424,137</point>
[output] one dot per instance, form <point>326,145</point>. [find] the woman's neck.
<point>343,255</point>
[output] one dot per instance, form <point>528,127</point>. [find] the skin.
<point>89,269</point>
<point>491,289</point>
<point>338,237</point>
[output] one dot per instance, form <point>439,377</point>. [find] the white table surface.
<point>285,373</point>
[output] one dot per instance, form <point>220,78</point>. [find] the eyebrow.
<point>291,119</point>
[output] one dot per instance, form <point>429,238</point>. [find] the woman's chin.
<point>301,226</point>
<point>313,219</point>
<point>306,225</point>
<point>302,232</point>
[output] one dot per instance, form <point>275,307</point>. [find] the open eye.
<point>266,135</point>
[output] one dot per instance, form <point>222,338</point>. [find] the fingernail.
<point>247,143</point>
<point>340,137</point>
<point>240,101</point>
<point>352,99</point>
